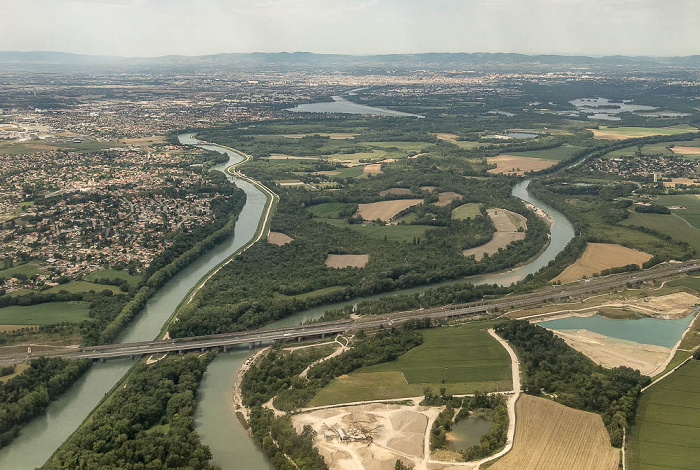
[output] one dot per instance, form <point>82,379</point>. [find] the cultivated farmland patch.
<point>446,198</point>
<point>386,210</point>
<point>517,165</point>
<point>278,238</point>
<point>346,261</point>
<point>666,429</point>
<point>510,227</point>
<point>550,436</point>
<point>600,256</point>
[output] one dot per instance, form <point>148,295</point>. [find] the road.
<point>258,337</point>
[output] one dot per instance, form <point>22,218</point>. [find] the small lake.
<point>664,333</point>
<point>341,105</point>
<point>467,433</point>
<point>603,108</point>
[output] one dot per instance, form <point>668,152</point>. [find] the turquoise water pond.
<point>644,330</point>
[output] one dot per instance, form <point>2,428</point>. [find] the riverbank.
<point>263,227</point>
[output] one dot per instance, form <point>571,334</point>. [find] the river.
<point>215,422</point>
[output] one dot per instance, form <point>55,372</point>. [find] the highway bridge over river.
<point>323,329</point>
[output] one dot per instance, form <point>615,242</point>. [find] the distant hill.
<point>285,61</point>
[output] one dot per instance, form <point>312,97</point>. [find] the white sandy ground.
<point>611,352</point>
<point>398,431</point>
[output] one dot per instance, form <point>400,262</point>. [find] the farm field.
<point>684,150</point>
<point>82,286</point>
<point>466,211</point>
<point>557,153</point>
<point>517,165</point>
<point>672,225</point>
<point>507,224</point>
<point>621,133</point>
<point>400,233</point>
<point>28,269</point>
<point>279,238</point>
<point>691,204</point>
<point>446,198</point>
<point>600,256</point>
<point>465,357</point>
<point>346,261</point>
<point>329,209</point>
<point>132,279</point>
<point>45,314</point>
<point>667,425</point>
<point>550,436</point>
<point>385,210</point>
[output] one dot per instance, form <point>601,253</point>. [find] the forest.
<point>147,424</point>
<point>570,378</point>
<point>28,394</point>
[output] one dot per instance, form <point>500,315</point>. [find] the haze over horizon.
<point>150,28</point>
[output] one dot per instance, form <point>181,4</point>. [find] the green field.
<point>692,282</point>
<point>466,211</point>
<point>463,359</point>
<point>45,314</point>
<point>557,153</point>
<point>330,210</point>
<point>671,225</point>
<point>398,233</point>
<point>28,269</point>
<point>647,131</point>
<point>691,202</point>
<point>411,147</point>
<point>350,172</point>
<point>75,287</point>
<point>666,430</point>
<point>133,280</point>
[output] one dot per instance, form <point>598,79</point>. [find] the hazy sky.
<point>192,27</point>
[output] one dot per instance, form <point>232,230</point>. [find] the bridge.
<point>319,330</point>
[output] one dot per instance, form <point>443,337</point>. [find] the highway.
<point>449,312</point>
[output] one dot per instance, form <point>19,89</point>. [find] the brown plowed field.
<point>512,165</point>
<point>346,261</point>
<point>385,210</point>
<point>550,436</point>
<point>398,191</point>
<point>600,256</point>
<point>373,169</point>
<point>446,198</point>
<point>507,224</point>
<point>278,238</point>
<point>686,150</point>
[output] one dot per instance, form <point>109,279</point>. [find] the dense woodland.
<point>27,395</point>
<point>559,371</point>
<point>147,424</point>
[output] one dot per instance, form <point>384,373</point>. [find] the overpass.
<point>320,330</point>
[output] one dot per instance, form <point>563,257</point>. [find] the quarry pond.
<point>665,333</point>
